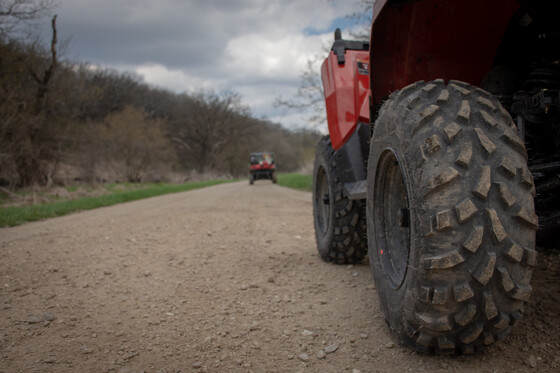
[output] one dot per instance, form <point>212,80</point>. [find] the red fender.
<point>430,39</point>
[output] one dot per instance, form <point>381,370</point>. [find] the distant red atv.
<point>262,167</point>
<point>444,140</point>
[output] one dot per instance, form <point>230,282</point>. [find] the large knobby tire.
<point>450,214</point>
<point>340,224</point>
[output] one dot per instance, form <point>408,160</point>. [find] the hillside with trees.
<point>64,121</point>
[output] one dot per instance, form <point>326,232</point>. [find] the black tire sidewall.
<point>393,299</point>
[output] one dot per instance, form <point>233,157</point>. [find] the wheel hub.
<point>392,218</point>
<point>321,201</point>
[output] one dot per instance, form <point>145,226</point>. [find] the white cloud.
<point>260,55</point>
<point>174,79</point>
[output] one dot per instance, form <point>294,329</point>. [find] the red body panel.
<point>263,166</point>
<point>430,39</point>
<point>346,91</point>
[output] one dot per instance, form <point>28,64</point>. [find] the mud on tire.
<point>448,172</point>
<point>340,226</point>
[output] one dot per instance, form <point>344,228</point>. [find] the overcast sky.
<point>257,48</point>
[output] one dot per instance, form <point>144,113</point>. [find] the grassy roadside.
<point>296,181</point>
<point>11,216</point>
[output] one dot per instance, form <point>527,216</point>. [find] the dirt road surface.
<point>223,279</point>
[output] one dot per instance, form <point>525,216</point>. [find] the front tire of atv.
<point>450,214</point>
<point>340,226</point>
<point>251,179</point>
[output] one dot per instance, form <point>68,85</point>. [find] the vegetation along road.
<point>222,279</point>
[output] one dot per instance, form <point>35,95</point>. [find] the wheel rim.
<point>322,201</point>
<point>391,219</point>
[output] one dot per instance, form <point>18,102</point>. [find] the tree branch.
<point>43,84</point>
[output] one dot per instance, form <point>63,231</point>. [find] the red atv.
<point>262,167</point>
<point>444,139</point>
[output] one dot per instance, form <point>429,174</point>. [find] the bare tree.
<point>362,20</point>
<point>29,132</point>
<point>309,98</point>
<point>136,145</point>
<point>43,81</point>
<point>209,126</point>
<point>15,12</point>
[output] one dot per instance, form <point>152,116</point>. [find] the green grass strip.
<point>296,181</point>
<point>11,216</point>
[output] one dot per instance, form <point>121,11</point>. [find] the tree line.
<point>62,121</point>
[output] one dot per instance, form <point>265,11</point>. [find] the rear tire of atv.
<point>340,226</point>
<point>274,180</point>
<point>450,214</point>
<point>251,179</point>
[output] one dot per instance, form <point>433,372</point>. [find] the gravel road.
<point>222,279</point>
